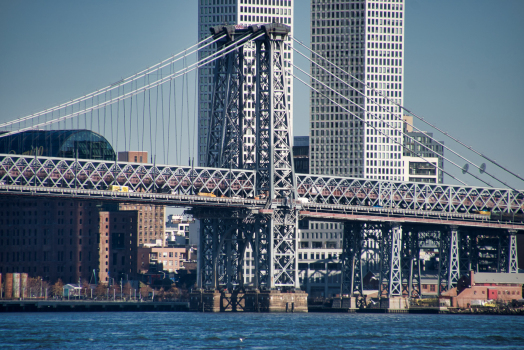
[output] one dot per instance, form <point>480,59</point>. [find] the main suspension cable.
<point>175,75</point>
<point>387,110</point>
<point>113,86</point>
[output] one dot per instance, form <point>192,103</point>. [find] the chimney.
<point>471,278</point>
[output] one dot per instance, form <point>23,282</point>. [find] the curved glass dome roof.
<point>82,144</point>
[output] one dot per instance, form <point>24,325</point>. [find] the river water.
<point>184,330</point>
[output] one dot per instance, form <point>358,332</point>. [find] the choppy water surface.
<point>161,330</point>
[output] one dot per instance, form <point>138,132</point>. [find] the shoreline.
<point>11,306</point>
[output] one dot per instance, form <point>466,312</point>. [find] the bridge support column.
<point>449,266</point>
<point>390,283</point>
<point>513,259</point>
<point>395,279</point>
<point>352,258</point>
<point>411,286</point>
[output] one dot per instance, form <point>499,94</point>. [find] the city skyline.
<point>456,81</point>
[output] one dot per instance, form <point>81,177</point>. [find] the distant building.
<point>365,38</point>
<point>158,259</point>
<point>420,164</point>
<point>240,13</point>
<point>177,230</point>
<point>477,288</point>
<point>133,156</point>
<point>81,144</point>
<point>319,251</point>
<point>301,154</point>
<point>66,239</point>
<point>151,217</point>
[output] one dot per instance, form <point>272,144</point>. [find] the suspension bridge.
<point>251,195</point>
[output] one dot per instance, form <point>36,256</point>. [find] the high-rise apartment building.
<point>364,38</point>
<point>213,13</point>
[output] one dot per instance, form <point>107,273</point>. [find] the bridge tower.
<point>271,232</point>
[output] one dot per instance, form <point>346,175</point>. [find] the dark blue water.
<point>177,330</point>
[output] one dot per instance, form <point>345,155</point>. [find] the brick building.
<point>67,239</point>
<point>483,286</point>
<point>160,259</point>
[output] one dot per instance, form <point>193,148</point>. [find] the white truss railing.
<point>138,177</point>
<point>96,174</point>
<point>409,195</point>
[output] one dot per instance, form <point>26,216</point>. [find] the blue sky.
<point>463,61</point>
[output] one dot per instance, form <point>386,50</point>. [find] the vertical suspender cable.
<point>137,120</point>
<point>195,114</point>
<point>163,123</point>
<point>150,125</point>
<point>130,118</point>
<point>169,115</point>
<point>187,109</point>
<point>156,120</point>
<point>182,114</point>
<point>176,122</point>
<point>125,124</point>
<point>117,116</point>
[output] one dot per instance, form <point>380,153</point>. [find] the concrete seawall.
<point>88,306</point>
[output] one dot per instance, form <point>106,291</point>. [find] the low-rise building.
<point>157,259</point>
<point>478,288</point>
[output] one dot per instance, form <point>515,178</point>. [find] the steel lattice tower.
<point>224,234</point>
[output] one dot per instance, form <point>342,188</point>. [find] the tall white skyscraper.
<point>212,13</point>
<point>365,38</point>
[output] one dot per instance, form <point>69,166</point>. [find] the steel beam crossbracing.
<point>275,241</point>
<point>352,258</point>
<point>410,256</point>
<point>513,261</point>
<point>390,280</point>
<point>449,263</point>
<point>274,158</point>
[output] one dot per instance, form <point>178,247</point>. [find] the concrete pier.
<point>249,301</point>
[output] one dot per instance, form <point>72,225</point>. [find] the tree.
<point>85,288</point>
<point>128,290</point>
<point>101,290</point>
<point>34,285</point>
<point>145,290</point>
<point>58,288</point>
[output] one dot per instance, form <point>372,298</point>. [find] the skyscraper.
<point>364,38</point>
<point>243,12</point>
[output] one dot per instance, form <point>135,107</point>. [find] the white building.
<point>212,13</point>
<point>177,230</point>
<point>319,265</point>
<point>423,156</point>
<point>365,38</point>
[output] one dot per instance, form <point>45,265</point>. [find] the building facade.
<point>301,154</point>
<point>358,138</point>
<point>150,217</point>
<point>423,156</point>
<point>213,13</point>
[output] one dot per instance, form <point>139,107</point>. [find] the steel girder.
<point>139,177</point>
<point>94,174</point>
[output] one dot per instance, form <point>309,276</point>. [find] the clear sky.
<point>463,61</point>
